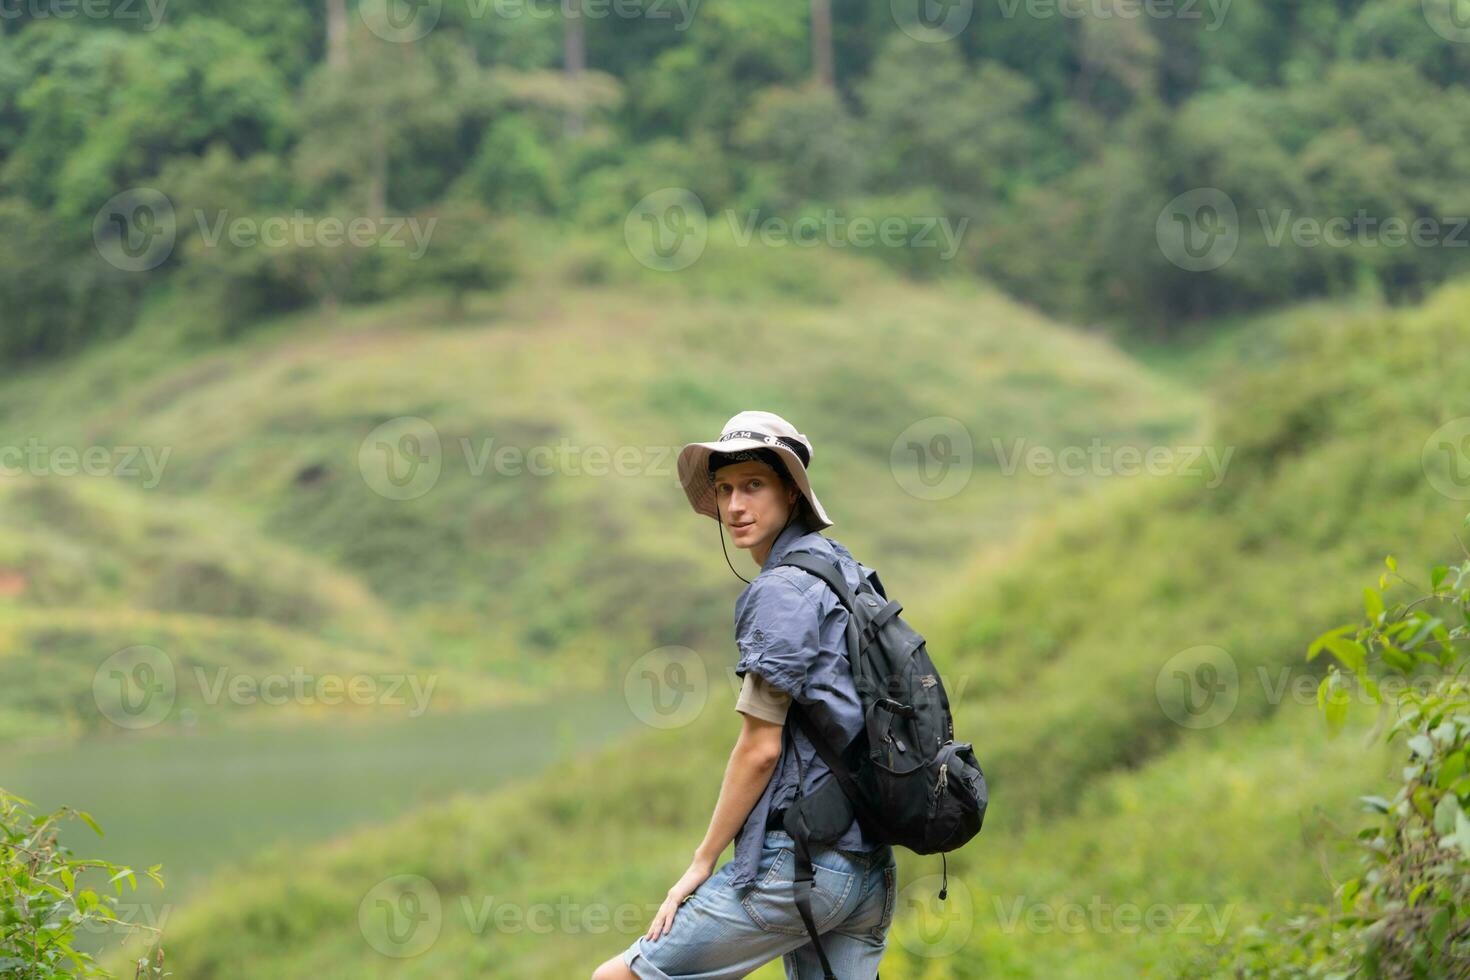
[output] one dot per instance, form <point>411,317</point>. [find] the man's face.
<point>752,502</point>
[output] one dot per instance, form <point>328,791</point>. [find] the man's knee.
<point>614,969</point>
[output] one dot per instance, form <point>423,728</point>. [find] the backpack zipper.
<point>943,780</point>
<point>893,742</point>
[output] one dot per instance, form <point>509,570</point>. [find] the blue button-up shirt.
<point>791,630</point>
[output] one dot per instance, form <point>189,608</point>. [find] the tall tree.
<point>822,41</point>
<point>574,59</point>
<point>337,33</point>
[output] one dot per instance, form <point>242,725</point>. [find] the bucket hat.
<point>749,430</point>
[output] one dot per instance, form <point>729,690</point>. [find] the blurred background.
<point>346,348</point>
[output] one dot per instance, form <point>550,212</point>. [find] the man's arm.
<point>752,762</point>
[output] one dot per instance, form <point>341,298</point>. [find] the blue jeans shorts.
<point>718,935</point>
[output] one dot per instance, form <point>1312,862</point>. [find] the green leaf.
<point>1350,892</point>
<point>1462,832</point>
<point>1445,813</point>
<point>86,818</point>
<point>1333,701</point>
<point>1396,658</point>
<point>1372,604</point>
<point>1317,644</point>
<point>1350,652</point>
<point>1393,566</point>
<point>1452,769</point>
<point>1439,927</point>
<point>1437,577</point>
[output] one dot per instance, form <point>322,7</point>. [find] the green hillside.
<point>1056,659</point>
<point>537,572</point>
<point>92,569</point>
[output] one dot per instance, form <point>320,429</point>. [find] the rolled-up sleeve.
<point>777,629</point>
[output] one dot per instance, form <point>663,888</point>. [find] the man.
<point>791,632</point>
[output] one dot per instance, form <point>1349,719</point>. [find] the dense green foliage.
<point>1407,915</point>
<point>1055,140</point>
<point>45,898</point>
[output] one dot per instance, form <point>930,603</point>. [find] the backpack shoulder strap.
<point>823,569</point>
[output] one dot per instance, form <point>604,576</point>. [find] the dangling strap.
<point>802,885</point>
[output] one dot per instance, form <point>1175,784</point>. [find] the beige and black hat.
<point>746,431</point>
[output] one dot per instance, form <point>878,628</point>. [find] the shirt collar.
<point>786,541</point>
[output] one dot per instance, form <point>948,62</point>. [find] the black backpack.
<point>904,777</point>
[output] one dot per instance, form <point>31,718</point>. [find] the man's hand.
<point>698,872</point>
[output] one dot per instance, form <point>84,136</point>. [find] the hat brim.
<point>694,475</point>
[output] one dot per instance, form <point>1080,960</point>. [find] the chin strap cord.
<point>721,522</point>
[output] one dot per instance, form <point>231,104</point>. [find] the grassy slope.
<point>268,429</point>
<point>1058,651</point>
<point>92,567</point>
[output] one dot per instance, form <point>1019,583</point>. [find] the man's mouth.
<point>737,527</point>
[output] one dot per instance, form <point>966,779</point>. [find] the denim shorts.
<point>718,935</point>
